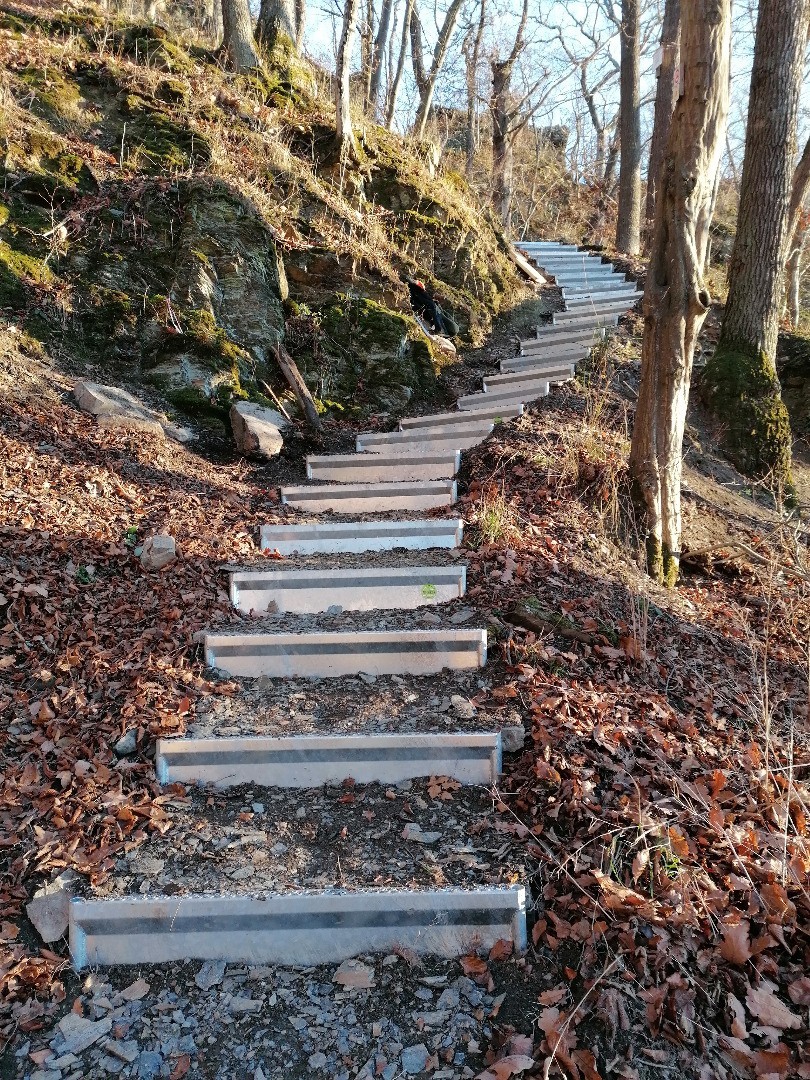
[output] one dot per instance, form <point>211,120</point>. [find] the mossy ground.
<point>116,134</point>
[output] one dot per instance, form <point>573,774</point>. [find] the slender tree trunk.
<point>439,56</point>
<point>300,22</point>
<point>665,98</point>
<point>793,274</point>
<point>609,179</point>
<point>237,35</point>
<point>344,136</point>
<point>502,156</point>
<point>276,23</point>
<point>675,297</point>
<point>628,222</point>
<point>366,50</point>
<point>393,90</point>
<point>740,381</point>
<point>472,56</point>
<point>377,57</point>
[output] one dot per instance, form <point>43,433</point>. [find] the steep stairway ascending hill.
<point>396,473</point>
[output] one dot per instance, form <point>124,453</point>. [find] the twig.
<point>268,390</point>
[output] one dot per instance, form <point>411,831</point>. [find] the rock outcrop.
<point>117,408</point>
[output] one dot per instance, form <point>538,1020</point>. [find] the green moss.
<point>740,385</point>
<point>17,270</point>
<point>193,402</point>
<point>5,213</point>
<point>54,96</point>
<point>154,142</point>
<point>152,47</point>
<point>662,564</point>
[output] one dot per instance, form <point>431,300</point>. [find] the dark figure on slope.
<point>428,309</point>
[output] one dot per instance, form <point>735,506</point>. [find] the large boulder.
<point>117,408</point>
<point>257,430</point>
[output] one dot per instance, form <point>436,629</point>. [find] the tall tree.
<point>237,35</point>
<point>277,23</point>
<point>665,98</point>
<point>471,48</point>
<point>344,135</point>
<point>797,229</point>
<point>504,116</point>
<point>393,89</point>
<point>676,300</point>
<point>426,81</point>
<point>377,57</point>
<point>740,381</point>
<point>628,221</point>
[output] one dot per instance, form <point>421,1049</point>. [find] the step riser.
<point>370,469</point>
<point>525,394</point>
<point>441,433</point>
<point>307,592</point>
<point>609,289</point>
<point>420,422</point>
<point>531,366</point>
<point>550,375</point>
<point>575,283</point>
<point>325,656</point>
<point>550,358</point>
<point>311,761</point>
<point>586,266</point>
<point>296,930</point>
<point>600,319</point>
<point>362,536</point>
<point>428,495</point>
<point>554,344</point>
<point>610,296</point>
<point>429,444</point>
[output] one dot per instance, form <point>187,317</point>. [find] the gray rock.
<point>127,744</point>
<point>257,430</point>
<point>415,1059</point>
<point>158,551</point>
<point>116,408</point>
<point>512,738</point>
<point>50,907</point>
<point>317,1060</point>
<point>79,1033</point>
<point>462,615</point>
<point>210,974</point>
<point>150,1065</point>
<point>412,831</point>
<point>463,707</point>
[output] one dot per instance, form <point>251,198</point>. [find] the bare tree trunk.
<point>665,98</point>
<point>344,136</point>
<point>237,35</point>
<point>740,381</point>
<point>439,55</point>
<point>502,121</point>
<point>378,53</point>
<point>675,298</point>
<point>793,274</point>
<point>366,50</point>
<point>393,90</point>
<point>300,22</point>
<point>628,222</point>
<point>276,22</point>
<point>472,55</point>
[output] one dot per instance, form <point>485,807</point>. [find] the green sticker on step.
<point>428,591</point>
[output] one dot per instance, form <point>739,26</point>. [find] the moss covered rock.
<point>156,143</point>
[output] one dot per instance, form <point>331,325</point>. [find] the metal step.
<point>550,357</point>
<point>308,761</point>
<point>371,498</point>
<point>526,376</point>
<point>597,319</point>
<point>580,300</point>
<point>322,538</point>
<point>551,337</point>
<point>494,414</point>
<point>425,440</point>
<point>333,654</point>
<point>526,392</point>
<point>295,929</point>
<point>380,469</point>
<point>360,589</point>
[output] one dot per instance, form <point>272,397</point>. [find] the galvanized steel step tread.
<point>411,422</point>
<point>372,498</point>
<point>358,589</point>
<point>308,761</point>
<point>528,375</point>
<point>355,536</point>
<point>334,654</point>
<point>381,468</point>
<point>298,929</point>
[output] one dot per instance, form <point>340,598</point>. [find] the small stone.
<point>257,807</point>
<point>317,1060</point>
<point>81,1033</point>
<point>512,738</point>
<point>412,831</point>
<point>127,744</point>
<point>244,1005</point>
<point>210,974</point>
<point>278,849</point>
<point>415,1059</point>
<point>368,679</point>
<point>50,908</point>
<point>431,618</point>
<point>462,615</point>
<point>334,609</point>
<point>355,974</point>
<point>126,1051</point>
<point>150,1065</point>
<point>158,551</point>
<point>135,991</point>
<point>463,707</point>
<point>390,960</point>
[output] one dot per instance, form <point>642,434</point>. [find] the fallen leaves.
<point>765,1006</point>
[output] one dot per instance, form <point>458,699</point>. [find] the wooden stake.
<point>298,386</point>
